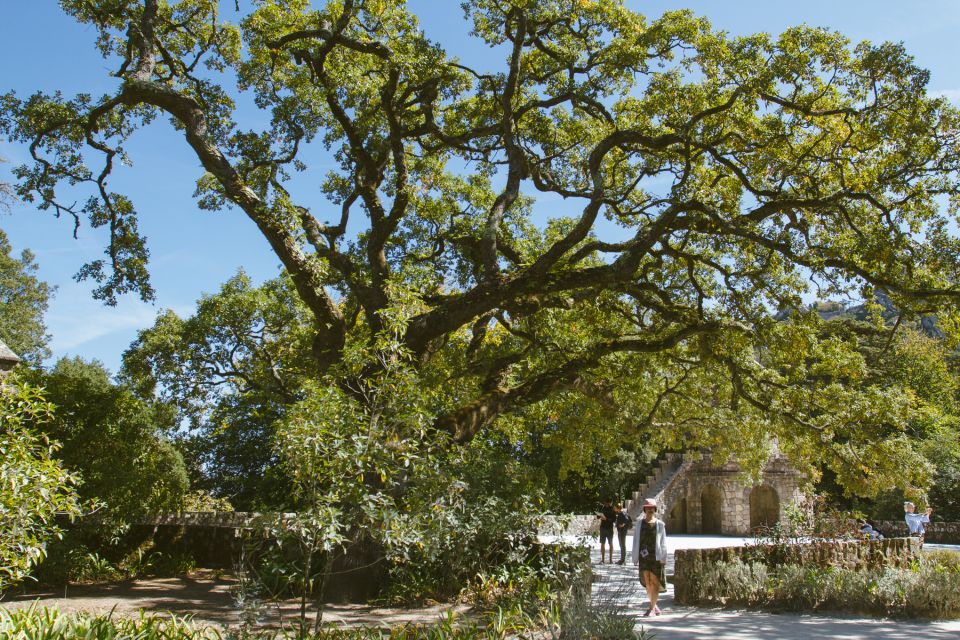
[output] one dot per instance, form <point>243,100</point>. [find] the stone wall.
<point>717,498</point>
<point>852,555</point>
<point>938,532</point>
<point>573,525</point>
<point>227,519</point>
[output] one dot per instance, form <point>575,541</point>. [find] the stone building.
<point>701,496</point>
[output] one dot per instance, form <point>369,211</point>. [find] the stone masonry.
<point>701,496</point>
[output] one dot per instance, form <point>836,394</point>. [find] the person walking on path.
<point>650,553</point>
<point>622,522</point>
<point>607,516</point>
<point>915,521</point>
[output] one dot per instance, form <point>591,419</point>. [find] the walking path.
<point>619,583</point>
<point>208,599</point>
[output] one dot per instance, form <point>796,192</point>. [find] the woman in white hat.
<point>650,553</point>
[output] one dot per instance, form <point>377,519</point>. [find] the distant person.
<point>915,521</point>
<point>607,517</point>
<point>650,554</point>
<point>875,528</point>
<point>622,523</point>
<point>869,531</point>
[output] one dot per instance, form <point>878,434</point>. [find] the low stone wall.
<point>939,532</point>
<point>225,519</point>
<point>894,552</point>
<point>220,540</point>
<point>570,525</point>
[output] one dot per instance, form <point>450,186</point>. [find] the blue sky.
<point>193,251</point>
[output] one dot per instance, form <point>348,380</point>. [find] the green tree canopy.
<point>736,171</point>
<point>23,298</point>
<point>113,441</point>
<point>34,486</point>
<point>232,369</point>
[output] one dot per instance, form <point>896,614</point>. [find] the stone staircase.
<point>667,468</point>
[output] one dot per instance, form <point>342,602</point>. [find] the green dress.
<point>648,553</point>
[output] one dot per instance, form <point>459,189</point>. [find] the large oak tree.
<point>713,181</point>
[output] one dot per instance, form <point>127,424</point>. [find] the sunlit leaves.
<point>605,194</point>
<point>34,486</point>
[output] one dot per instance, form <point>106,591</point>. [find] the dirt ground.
<point>207,599</point>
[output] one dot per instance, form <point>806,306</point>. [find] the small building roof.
<point>8,359</point>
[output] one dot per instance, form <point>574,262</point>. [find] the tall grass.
<point>51,624</point>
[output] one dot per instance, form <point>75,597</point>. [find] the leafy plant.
<point>48,624</point>
<point>90,567</point>
<point>930,588</point>
<point>34,486</point>
<point>730,174</point>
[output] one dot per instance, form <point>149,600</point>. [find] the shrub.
<point>34,487</point>
<point>929,588</point>
<point>733,582</point>
<point>169,565</point>
<point>935,589</point>
<point>603,618</point>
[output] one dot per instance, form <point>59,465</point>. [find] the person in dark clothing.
<point>607,516</point>
<point>622,523</point>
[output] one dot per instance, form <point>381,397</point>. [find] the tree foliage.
<point>23,298</point>
<point>34,486</point>
<point>909,360</point>
<point>707,181</point>
<point>231,369</point>
<point>114,442</point>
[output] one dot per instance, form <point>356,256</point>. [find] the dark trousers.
<point>622,536</point>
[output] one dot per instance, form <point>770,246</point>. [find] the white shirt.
<point>915,521</point>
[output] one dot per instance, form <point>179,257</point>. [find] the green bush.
<point>167,565</point>
<point>34,486</point>
<point>929,588</point>
<point>71,561</point>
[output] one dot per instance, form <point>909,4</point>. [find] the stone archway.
<point>764,507</point>
<point>710,510</point>
<point>677,517</point>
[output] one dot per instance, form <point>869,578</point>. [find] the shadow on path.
<point>209,601</point>
<point>621,583</point>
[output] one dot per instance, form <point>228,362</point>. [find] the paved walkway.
<point>619,583</point>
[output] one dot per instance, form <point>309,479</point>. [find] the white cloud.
<point>72,330</point>
<point>953,95</point>
<point>75,320</point>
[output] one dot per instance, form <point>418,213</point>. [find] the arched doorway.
<point>764,507</point>
<point>710,509</point>
<point>677,517</point>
